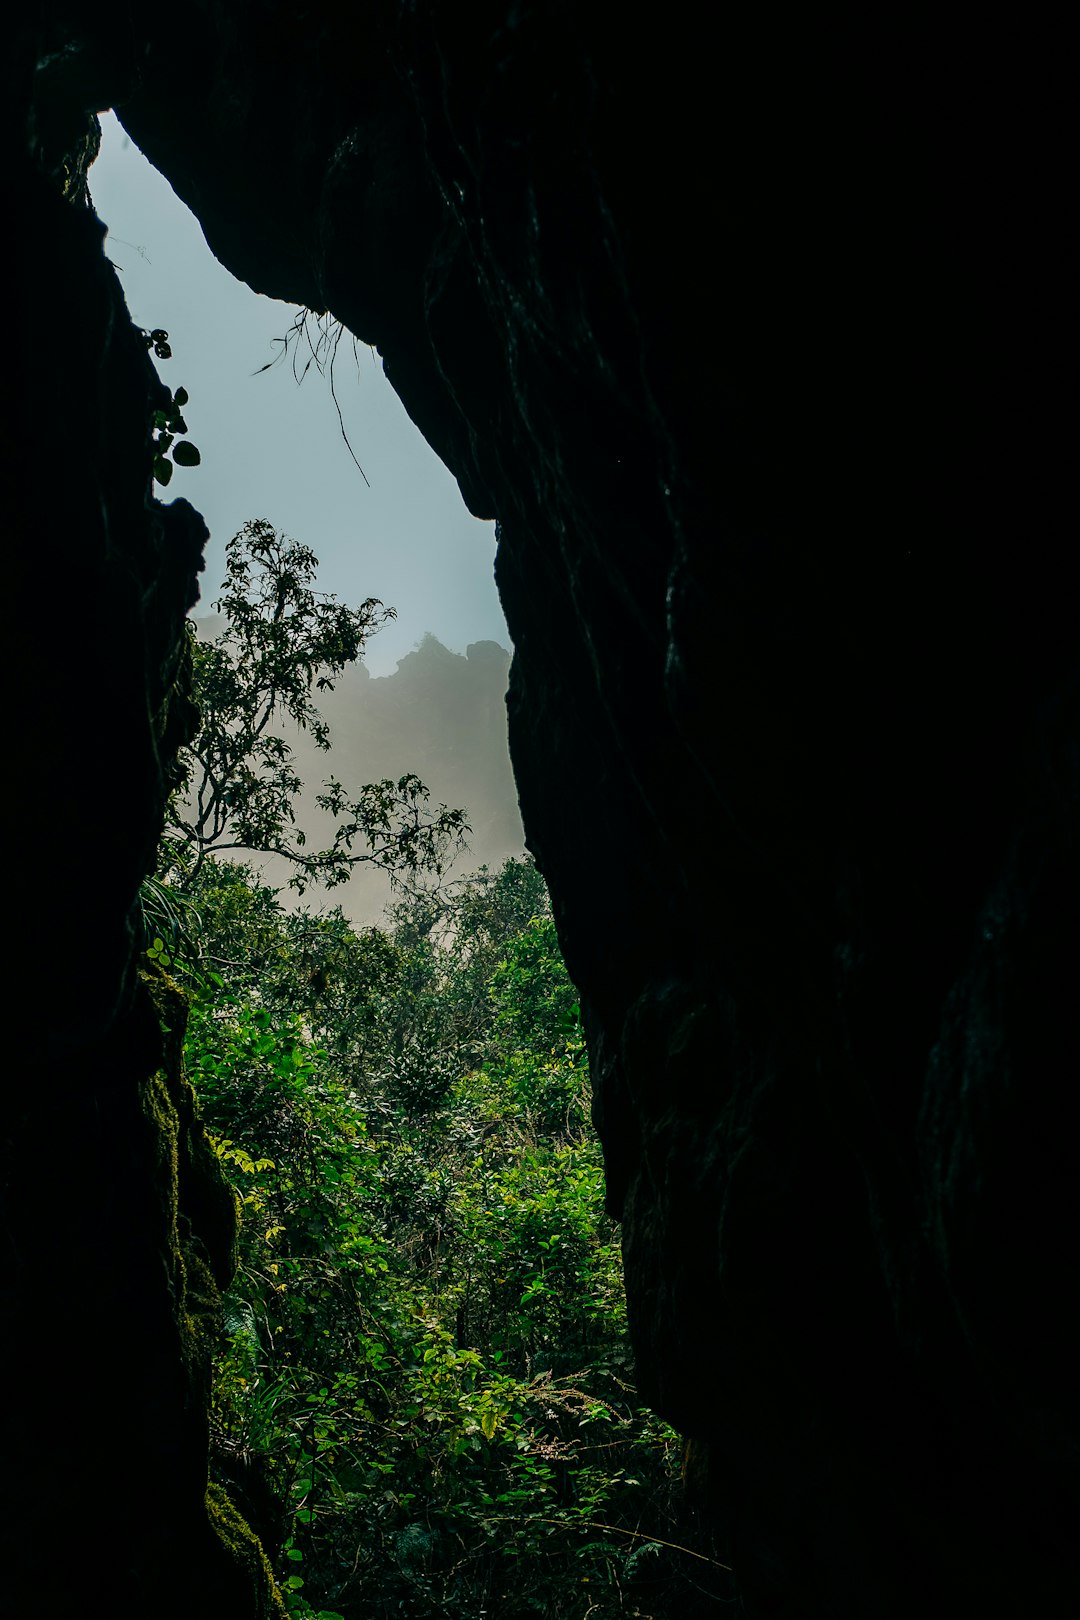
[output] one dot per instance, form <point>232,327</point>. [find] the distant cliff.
<point>442,716</point>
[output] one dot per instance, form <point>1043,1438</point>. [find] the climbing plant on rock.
<point>169,425</point>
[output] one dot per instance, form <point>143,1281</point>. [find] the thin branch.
<point>637,1535</point>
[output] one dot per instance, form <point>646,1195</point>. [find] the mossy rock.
<point>249,1574</point>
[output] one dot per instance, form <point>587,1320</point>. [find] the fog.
<point>440,715</point>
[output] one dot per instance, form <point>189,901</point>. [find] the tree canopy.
<point>283,643</point>
<point>424,1398</point>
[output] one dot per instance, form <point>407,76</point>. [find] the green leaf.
<point>162,469</point>
<point>186,455</point>
<point>181,397</point>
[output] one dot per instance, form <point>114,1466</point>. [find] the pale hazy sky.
<point>274,450</point>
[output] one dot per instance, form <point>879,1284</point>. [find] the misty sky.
<point>272,449</point>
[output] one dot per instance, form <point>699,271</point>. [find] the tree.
<point>424,1397</point>
<point>283,643</point>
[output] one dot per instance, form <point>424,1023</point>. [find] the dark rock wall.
<point>116,1228</point>
<point>754,341</point>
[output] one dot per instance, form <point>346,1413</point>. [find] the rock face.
<point>752,342</point>
<point>116,1228</point>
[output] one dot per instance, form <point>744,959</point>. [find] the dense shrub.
<point>424,1400</point>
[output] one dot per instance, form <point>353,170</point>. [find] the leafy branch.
<point>284,642</point>
<point>169,426</point>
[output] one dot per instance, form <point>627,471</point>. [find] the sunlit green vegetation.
<point>424,1399</point>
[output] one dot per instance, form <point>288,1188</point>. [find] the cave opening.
<point>276,450</point>
<point>269,451</point>
<point>422,1389</point>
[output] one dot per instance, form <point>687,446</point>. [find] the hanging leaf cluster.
<point>168,425</point>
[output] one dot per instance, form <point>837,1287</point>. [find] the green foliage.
<point>168,425</point>
<point>169,920</point>
<point>424,1401</point>
<point>283,643</point>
